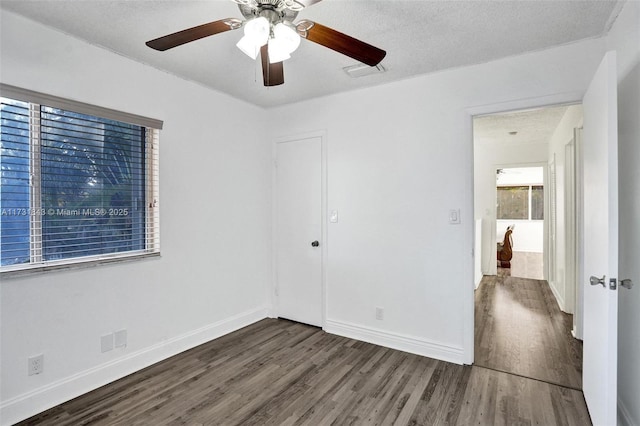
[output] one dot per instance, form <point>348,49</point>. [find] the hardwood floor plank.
<point>496,398</point>
<point>521,330</point>
<point>412,395</point>
<point>277,372</point>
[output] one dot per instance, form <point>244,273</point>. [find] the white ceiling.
<point>419,37</point>
<point>534,126</point>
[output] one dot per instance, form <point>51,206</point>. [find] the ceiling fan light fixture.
<point>256,35</point>
<point>284,42</point>
<point>248,47</point>
<point>277,52</point>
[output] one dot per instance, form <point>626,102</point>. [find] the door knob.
<point>595,280</point>
<point>628,284</point>
<point>315,243</point>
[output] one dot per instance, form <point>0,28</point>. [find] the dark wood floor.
<point>277,372</point>
<point>520,329</point>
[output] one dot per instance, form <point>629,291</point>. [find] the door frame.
<point>571,230</point>
<point>467,119</point>
<point>578,316</point>
<point>272,289</point>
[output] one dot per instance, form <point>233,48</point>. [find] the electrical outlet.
<point>120,338</point>
<point>379,314</point>
<point>35,364</point>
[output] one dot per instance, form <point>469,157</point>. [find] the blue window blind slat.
<point>14,178</point>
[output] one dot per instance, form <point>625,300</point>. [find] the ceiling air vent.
<point>360,70</point>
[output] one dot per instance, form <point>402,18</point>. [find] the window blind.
<point>75,187</point>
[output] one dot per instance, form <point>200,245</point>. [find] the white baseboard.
<point>478,281</point>
<point>28,404</point>
<point>624,417</point>
<point>556,294</point>
<point>396,341</point>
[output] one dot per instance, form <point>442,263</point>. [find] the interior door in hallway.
<point>600,232</point>
<point>299,230</point>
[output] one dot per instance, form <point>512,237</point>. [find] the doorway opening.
<point>520,218</point>
<point>523,304</point>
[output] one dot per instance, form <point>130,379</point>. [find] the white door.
<point>299,230</point>
<point>600,210</point>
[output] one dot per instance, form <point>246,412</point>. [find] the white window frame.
<point>152,213</point>
<point>529,199</point>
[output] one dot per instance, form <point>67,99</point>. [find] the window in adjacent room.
<point>520,202</point>
<point>79,183</point>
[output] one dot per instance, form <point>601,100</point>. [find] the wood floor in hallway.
<point>276,372</point>
<point>521,330</point>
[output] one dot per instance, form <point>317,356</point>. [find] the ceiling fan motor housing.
<point>274,10</point>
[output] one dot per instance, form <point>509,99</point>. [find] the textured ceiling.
<point>419,37</point>
<point>535,126</point>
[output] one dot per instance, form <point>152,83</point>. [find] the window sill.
<point>72,265</point>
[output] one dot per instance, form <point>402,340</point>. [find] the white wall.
<point>528,235</point>
<point>399,157</point>
<point>488,157</point>
<point>624,37</point>
<point>215,209</point>
<point>561,137</point>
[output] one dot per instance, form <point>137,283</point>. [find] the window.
<point>537,202</point>
<point>520,202</point>
<point>79,183</point>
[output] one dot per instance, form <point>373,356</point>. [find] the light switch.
<point>454,216</point>
<point>333,217</point>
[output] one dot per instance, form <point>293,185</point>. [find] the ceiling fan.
<point>269,31</point>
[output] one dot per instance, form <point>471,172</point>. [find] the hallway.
<point>521,330</point>
<point>526,265</point>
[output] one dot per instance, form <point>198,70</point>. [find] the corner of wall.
<point>558,295</point>
<point>41,399</point>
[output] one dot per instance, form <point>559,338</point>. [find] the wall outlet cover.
<point>120,338</point>
<point>35,364</point>
<point>106,342</point>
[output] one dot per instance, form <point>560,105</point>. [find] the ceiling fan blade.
<point>342,43</point>
<point>191,34</point>
<point>272,74</point>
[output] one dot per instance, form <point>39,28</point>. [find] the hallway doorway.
<point>522,322</point>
